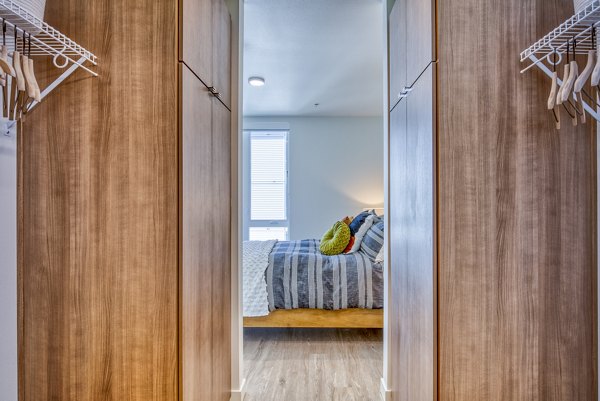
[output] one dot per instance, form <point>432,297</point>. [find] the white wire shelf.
<point>555,47</point>
<point>42,39</point>
<point>576,29</point>
<point>33,37</point>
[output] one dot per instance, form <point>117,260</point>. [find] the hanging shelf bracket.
<point>66,74</point>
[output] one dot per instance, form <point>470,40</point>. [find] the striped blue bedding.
<point>299,276</point>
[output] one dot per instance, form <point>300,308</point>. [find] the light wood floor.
<point>312,364</point>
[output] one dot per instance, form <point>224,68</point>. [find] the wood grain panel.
<point>397,51</point>
<point>196,18</point>
<point>220,266</point>
<point>420,37</point>
<point>99,212</point>
<point>205,243</point>
<point>198,262</point>
<point>412,222</point>
<point>222,51</point>
<point>398,245</point>
<point>516,299</point>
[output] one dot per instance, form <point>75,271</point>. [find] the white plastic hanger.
<point>586,73</point>
<point>8,69</point>
<point>596,71</point>
<point>553,94</point>
<point>17,89</point>
<point>30,83</point>
<point>568,87</point>
<point>564,92</point>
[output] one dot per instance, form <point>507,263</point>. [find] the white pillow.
<point>358,237</point>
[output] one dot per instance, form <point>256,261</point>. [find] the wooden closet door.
<point>198,260</point>
<point>413,249</point>
<point>195,37</point>
<point>397,51</point>
<point>222,51</point>
<point>420,37</point>
<point>397,238</point>
<point>221,248</point>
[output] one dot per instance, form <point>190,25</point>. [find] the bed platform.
<point>319,318</point>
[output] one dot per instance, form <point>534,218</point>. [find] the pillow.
<point>358,221</point>
<point>361,233</point>
<point>349,247</point>
<point>379,257</point>
<point>373,240</point>
<point>335,239</point>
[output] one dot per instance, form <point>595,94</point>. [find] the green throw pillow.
<point>335,239</point>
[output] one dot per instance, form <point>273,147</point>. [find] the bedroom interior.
<point>313,197</point>
<point>125,203</point>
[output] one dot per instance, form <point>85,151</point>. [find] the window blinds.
<point>268,175</point>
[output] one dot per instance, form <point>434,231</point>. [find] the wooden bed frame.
<point>346,318</point>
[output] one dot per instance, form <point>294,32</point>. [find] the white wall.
<point>8,266</point>
<point>335,168</point>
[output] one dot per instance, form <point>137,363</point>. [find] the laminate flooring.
<point>312,364</point>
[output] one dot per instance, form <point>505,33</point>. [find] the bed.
<point>291,284</point>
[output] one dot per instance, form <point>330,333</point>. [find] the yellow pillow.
<point>335,239</point>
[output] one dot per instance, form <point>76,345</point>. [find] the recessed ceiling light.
<point>256,81</point>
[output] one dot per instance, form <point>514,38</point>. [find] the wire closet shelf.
<point>554,48</point>
<point>29,34</point>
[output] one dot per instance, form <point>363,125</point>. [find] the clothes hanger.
<point>29,84</point>
<point>579,87</point>
<point>568,89</point>
<point>553,92</point>
<point>568,85</point>
<point>559,97</point>
<point>4,62</point>
<point>596,72</point>
<point>17,89</point>
<point>10,72</point>
<point>33,89</point>
<point>38,95</point>
<point>585,74</point>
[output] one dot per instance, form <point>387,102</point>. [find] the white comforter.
<point>255,262</point>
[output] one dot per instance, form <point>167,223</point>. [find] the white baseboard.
<point>386,395</point>
<point>238,395</point>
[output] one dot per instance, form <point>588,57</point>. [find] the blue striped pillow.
<point>373,240</point>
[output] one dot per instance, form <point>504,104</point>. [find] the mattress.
<point>294,274</point>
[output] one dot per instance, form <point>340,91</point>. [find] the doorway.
<point>283,121</point>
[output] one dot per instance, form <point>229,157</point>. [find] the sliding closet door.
<point>197,241</point>
<point>412,253</point>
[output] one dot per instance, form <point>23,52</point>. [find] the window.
<point>268,186</point>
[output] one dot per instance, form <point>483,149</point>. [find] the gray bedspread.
<point>299,276</point>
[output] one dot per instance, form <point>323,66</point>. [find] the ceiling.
<point>313,51</point>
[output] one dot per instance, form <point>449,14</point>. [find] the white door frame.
<point>237,335</point>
